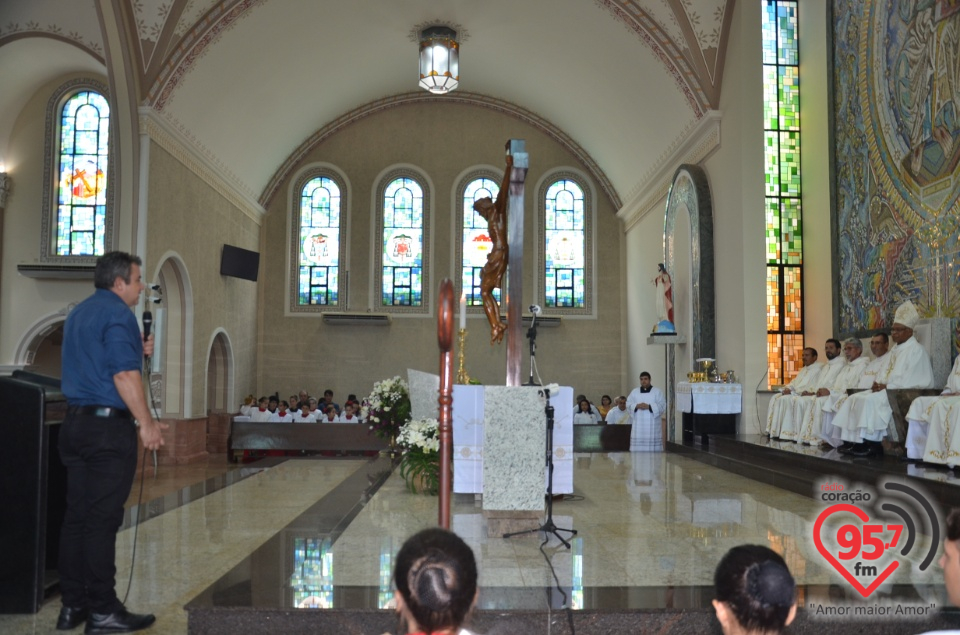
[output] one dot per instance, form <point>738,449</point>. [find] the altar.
<point>468,440</point>
<point>708,408</point>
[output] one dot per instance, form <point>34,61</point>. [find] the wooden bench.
<point>304,437</point>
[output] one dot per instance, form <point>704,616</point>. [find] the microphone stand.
<point>548,526</point>
<point>532,336</point>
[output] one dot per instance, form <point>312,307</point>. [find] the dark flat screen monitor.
<point>239,263</point>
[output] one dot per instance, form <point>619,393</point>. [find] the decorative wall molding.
<point>173,141</point>
<point>5,184</point>
<point>694,145</point>
<point>457,97</point>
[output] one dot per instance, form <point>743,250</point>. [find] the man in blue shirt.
<point>103,353</point>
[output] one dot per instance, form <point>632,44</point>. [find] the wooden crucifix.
<point>505,226</point>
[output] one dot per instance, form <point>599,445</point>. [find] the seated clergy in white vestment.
<point>880,347</point>
<point>943,438</point>
<point>866,417</point>
<point>618,414</point>
<point>646,404</point>
<point>854,363</point>
<point>918,418</point>
<point>805,381</point>
<point>792,412</point>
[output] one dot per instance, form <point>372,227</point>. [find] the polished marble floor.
<point>322,533</point>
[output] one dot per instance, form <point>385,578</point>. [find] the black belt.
<point>105,412</point>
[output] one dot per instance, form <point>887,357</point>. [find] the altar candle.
<point>463,310</point>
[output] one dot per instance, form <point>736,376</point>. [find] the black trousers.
<point>100,455</point>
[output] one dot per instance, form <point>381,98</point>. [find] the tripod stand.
<point>548,527</point>
<point>532,336</point>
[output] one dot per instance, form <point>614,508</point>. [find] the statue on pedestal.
<point>664,297</point>
<point>491,277</point>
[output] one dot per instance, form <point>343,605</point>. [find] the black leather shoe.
<point>846,447</point>
<point>867,450</point>
<point>70,618</point>
<point>908,459</point>
<point>122,621</point>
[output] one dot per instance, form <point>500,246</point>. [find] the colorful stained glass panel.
<point>319,250</point>
<point>791,232</point>
<point>82,170</point>
<point>789,97</point>
<point>564,245</point>
<point>402,243</point>
<point>773,298</point>
<point>792,300</point>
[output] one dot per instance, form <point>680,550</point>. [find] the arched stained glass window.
<point>476,239</point>
<point>402,244</point>
<point>319,243</point>
<point>82,170</point>
<point>564,245</point>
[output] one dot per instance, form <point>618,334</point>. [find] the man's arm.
<point>130,387</point>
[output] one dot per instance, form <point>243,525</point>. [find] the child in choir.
<point>282,415</point>
<point>306,414</point>
<point>349,414</point>
<point>329,415</point>
<point>261,413</point>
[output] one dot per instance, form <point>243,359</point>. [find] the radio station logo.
<point>866,537</point>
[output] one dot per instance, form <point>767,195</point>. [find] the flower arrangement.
<point>420,464</point>
<point>387,408</point>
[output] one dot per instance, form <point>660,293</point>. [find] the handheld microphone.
<point>147,323</point>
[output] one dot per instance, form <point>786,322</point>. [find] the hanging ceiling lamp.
<point>439,59</point>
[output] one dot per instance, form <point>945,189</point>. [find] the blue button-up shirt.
<point>100,339</point>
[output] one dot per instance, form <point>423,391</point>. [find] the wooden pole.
<point>514,290</point>
<point>445,340</point>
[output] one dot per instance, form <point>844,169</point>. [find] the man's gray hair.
<point>854,342</point>
<point>113,265</point>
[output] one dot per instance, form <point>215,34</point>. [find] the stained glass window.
<point>784,227</point>
<point>476,240</point>
<point>564,245</point>
<point>82,175</point>
<point>402,244</point>
<point>319,243</point>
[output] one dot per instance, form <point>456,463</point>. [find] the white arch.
<point>229,360</point>
<point>182,294</point>
<point>35,334</point>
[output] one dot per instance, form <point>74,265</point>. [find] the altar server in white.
<point>854,365</point>
<point>805,381</point>
<point>792,416</point>
<point>880,347</point>
<point>646,405</point>
<point>618,414</point>
<point>920,414</point>
<point>866,417</point>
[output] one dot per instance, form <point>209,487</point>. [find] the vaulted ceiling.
<point>246,82</point>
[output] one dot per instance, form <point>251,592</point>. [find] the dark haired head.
<point>755,584</point>
<point>813,351</point>
<point>113,265</point>
<point>645,374</point>
<point>953,525</point>
<point>835,342</point>
<point>580,405</point>
<point>883,336</point>
<point>436,576</point>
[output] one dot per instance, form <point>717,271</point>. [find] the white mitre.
<point>906,315</point>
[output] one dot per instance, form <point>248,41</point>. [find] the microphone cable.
<point>136,524</point>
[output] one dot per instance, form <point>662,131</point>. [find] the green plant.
<point>420,462</point>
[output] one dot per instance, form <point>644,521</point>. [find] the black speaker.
<point>239,263</point>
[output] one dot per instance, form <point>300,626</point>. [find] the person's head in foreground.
<point>755,591</point>
<point>950,560</point>
<point>436,580</point>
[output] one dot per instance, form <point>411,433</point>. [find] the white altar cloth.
<point>468,440</point>
<point>709,398</point>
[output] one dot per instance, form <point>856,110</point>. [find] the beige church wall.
<point>441,140</point>
<point>644,249</point>
<point>815,166</point>
<point>188,217</point>
<point>26,301</point>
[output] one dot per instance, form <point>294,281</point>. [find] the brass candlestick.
<point>462,376</point>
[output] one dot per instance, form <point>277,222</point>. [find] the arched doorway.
<point>171,374</point>
<point>219,374</point>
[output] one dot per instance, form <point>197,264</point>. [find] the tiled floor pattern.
<point>647,523</point>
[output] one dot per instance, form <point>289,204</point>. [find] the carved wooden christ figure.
<point>491,277</point>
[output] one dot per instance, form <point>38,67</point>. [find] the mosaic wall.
<point>897,149</point>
